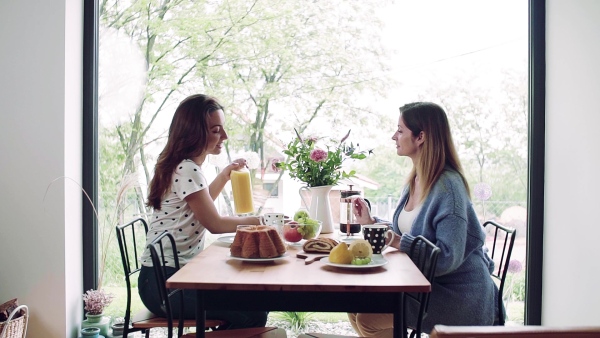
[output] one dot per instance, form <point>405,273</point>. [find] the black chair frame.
<point>504,239</point>
<point>424,254</point>
<point>131,264</point>
<point>159,262</point>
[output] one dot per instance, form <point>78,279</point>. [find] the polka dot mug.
<point>274,219</point>
<point>377,235</point>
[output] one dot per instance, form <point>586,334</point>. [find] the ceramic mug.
<point>274,219</point>
<point>377,235</point>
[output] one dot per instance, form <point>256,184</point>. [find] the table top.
<point>214,269</point>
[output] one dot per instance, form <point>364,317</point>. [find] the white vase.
<point>320,207</point>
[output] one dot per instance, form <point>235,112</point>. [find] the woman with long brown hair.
<point>183,202</point>
<point>436,204</point>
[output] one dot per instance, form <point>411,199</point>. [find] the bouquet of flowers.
<point>317,166</point>
<point>96,300</point>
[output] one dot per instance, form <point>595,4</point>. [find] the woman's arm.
<point>202,204</point>
<point>217,185</point>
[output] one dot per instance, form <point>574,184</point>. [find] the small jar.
<point>90,332</point>
<point>117,329</point>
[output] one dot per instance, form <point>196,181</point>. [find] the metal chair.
<point>504,240</point>
<point>132,238</point>
<point>159,262</point>
<point>424,254</point>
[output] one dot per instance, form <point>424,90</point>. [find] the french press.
<point>348,223</point>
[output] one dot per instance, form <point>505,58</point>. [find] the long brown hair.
<point>438,148</point>
<point>187,139</point>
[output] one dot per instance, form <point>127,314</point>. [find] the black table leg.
<point>200,314</point>
<point>399,329</point>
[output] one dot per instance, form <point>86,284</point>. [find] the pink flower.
<point>515,266</point>
<point>318,155</point>
<point>96,300</point>
<point>482,191</point>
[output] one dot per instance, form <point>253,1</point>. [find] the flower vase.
<point>100,321</point>
<point>320,207</point>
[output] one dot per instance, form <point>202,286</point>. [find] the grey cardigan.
<point>463,293</point>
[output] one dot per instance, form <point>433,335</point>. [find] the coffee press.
<point>348,224</point>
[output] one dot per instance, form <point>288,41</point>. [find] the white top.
<point>406,218</point>
<point>176,216</point>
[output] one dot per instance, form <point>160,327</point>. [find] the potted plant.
<point>320,168</point>
<point>95,301</point>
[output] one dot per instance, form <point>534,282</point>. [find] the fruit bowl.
<point>294,232</point>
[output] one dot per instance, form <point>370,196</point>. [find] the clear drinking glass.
<point>241,187</point>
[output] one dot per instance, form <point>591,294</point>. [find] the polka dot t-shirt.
<point>176,216</point>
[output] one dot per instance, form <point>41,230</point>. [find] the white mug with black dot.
<point>274,219</point>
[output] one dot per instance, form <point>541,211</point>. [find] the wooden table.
<point>223,283</point>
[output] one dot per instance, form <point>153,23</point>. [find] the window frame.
<point>90,162</point>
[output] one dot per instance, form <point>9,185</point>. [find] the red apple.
<point>290,232</point>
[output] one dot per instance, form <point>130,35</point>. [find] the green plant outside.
<point>515,287</point>
<point>117,308</point>
<point>297,320</point>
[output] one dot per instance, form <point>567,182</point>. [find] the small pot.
<point>94,318</point>
<point>90,332</point>
<point>117,329</point>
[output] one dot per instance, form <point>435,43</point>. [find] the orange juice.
<point>242,191</point>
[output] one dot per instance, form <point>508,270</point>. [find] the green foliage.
<point>514,287</point>
<point>515,312</point>
<point>255,58</point>
<point>278,66</point>
<point>387,169</point>
<point>117,204</point>
<point>489,127</point>
<point>297,320</point>
<point>315,166</point>
<point>117,308</point>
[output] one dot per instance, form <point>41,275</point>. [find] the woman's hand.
<point>395,241</point>
<point>217,185</point>
<point>235,165</point>
<point>361,211</point>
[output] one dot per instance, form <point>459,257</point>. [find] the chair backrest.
<point>501,250</point>
<point>132,239</point>
<point>442,331</point>
<point>159,261</point>
<point>424,254</point>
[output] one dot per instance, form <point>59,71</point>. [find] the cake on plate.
<point>257,241</point>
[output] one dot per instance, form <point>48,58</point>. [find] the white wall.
<point>40,140</point>
<point>571,228</point>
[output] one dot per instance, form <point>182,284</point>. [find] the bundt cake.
<point>257,241</point>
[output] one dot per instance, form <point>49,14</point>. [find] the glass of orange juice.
<point>241,187</point>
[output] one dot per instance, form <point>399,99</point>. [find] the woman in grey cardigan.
<point>436,204</point>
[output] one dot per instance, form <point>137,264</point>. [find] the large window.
<point>311,66</point>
